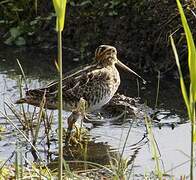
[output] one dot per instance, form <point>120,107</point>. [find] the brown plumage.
<point>95,83</point>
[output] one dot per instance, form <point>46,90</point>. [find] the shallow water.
<point>172,132</point>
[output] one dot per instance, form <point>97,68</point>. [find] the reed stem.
<point>192,141</point>
<point>60,104</point>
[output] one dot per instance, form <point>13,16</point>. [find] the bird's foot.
<point>95,119</point>
<point>71,122</point>
<point>75,134</point>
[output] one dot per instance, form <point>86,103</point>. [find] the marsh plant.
<point>60,7</point>
<point>154,149</point>
<point>189,98</point>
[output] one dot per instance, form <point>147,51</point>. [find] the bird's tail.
<point>21,101</point>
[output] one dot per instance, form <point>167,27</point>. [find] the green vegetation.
<point>154,149</point>
<point>21,20</point>
<point>26,23</point>
<point>60,8</point>
<point>191,99</point>
<point>124,24</point>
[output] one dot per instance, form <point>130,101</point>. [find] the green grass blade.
<point>194,139</point>
<point>154,148</point>
<point>191,50</point>
<point>182,84</point>
<point>192,89</point>
<point>60,8</point>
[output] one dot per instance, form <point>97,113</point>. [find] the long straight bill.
<point>130,70</point>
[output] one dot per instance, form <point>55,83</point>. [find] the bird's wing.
<point>77,72</point>
<point>74,80</point>
<point>85,85</point>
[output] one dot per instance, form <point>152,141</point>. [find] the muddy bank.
<point>138,29</point>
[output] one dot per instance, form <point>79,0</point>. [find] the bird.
<point>95,83</point>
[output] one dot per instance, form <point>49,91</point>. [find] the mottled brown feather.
<point>96,83</point>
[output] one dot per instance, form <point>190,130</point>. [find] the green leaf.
<point>60,7</point>
<point>15,32</point>
<point>182,84</point>
<point>34,22</point>
<point>9,41</point>
<point>191,51</point>
<point>85,3</point>
<point>20,41</point>
<point>72,3</point>
<point>194,138</point>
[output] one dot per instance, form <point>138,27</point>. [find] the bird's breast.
<point>104,91</point>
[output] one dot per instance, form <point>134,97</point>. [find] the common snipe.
<point>95,83</point>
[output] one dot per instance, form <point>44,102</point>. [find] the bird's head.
<point>106,55</point>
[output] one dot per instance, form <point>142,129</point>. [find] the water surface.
<point>172,132</point>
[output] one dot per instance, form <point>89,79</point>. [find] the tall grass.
<point>154,148</point>
<point>60,7</point>
<point>190,99</point>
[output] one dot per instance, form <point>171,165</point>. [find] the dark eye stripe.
<point>102,49</point>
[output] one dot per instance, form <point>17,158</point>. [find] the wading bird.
<point>96,84</point>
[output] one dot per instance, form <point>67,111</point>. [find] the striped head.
<point>106,55</point>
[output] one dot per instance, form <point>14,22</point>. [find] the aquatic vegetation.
<point>190,99</point>
<point>60,9</point>
<point>37,125</point>
<point>154,148</point>
<point>40,122</point>
<point>33,171</point>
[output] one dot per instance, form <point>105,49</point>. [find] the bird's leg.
<point>71,122</point>
<point>76,114</point>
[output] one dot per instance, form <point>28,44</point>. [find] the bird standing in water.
<point>96,84</point>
